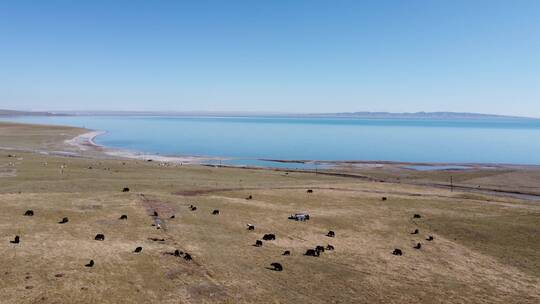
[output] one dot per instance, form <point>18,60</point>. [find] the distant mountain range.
<point>364,115</point>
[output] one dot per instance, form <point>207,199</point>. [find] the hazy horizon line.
<point>254,112</point>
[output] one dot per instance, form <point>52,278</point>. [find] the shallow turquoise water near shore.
<point>247,139</point>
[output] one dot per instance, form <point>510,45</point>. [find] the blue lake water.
<point>247,139</point>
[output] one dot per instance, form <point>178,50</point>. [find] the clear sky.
<point>277,56</point>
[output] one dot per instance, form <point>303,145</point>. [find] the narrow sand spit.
<point>85,141</point>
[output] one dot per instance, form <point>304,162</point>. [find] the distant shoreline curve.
<point>86,142</point>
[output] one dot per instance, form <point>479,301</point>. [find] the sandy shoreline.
<point>86,142</point>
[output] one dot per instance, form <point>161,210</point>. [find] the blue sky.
<point>277,56</point>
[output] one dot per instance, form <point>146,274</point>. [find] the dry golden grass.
<point>485,248</point>
<point>35,137</point>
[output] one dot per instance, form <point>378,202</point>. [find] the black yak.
<point>138,249</point>
<point>384,198</point>
<point>123,217</point>
<point>99,237</point>
<point>250,227</point>
<point>91,264</point>
<point>177,253</point>
<point>249,197</point>
<point>286,252</point>
<point>258,243</point>
<point>319,249</point>
<point>418,246</point>
<point>188,257</point>
<point>215,212</point>
<point>430,238</point>
<point>277,266</point>
<point>417,216</point>
<point>309,191</point>
<point>64,220</point>
<point>415,231</point>
<point>29,213</point>
<point>312,252</point>
<point>329,247</point>
<point>16,240</point>
<point>126,189</point>
<point>397,252</point>
<point>331,234</point>
<point>269,237</point>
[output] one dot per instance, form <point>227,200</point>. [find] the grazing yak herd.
<point>318,250</point>
<point>123,217</point>
<point>430,238</point>
<point>313,252</point>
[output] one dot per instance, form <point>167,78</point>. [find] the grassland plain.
<point>485,249</point>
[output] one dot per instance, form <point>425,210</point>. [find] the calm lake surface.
<point>246,139</point>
